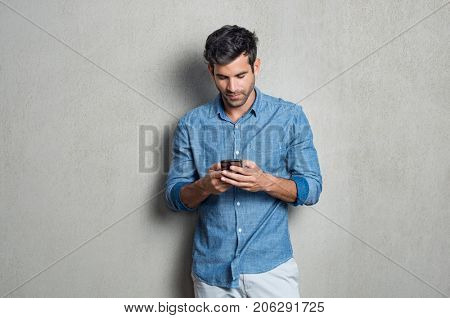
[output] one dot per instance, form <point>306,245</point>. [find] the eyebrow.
<point>241,73</point>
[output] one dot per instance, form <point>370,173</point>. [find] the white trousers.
<point>280,282</point>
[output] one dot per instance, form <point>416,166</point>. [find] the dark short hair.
<point>227,43</point>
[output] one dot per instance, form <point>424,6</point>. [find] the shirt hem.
<point>225,285</point>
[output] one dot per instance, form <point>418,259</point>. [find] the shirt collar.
<point>217,105</point>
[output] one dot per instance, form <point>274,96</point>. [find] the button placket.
<point>236,155</point>
<point>237,208</point>
<point>237,142</point>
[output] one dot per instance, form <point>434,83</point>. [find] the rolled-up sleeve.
<point>302,160</point>
<point>182,169</point>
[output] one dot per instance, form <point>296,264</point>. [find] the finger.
<point>219,183</point>
<point>224,186</point>
<point>215,174</point>
<point>235,183</point>
<point>241,170</point>
<point>236,176</point>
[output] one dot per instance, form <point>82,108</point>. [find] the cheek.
<point>221,87</point>
<point>247,83</point>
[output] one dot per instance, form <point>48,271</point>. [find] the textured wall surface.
<point>79,79</point>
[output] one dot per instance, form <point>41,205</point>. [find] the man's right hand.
<point>211,183</point>
<point>193,194</point>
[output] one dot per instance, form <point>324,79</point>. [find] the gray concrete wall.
<point>78,79</point>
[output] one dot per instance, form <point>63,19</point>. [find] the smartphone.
<point>226,164</point>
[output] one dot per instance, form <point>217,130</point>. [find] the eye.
<point>241,76</point>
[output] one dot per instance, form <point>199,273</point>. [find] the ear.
<point>257,66</point>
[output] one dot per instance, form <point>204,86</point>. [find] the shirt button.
<point>239,230</point>
<point>238,203</point>
<point>237,152</point>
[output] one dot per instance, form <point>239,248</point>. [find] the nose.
<point>231,86</point>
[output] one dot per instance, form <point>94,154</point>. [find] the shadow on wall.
<point>192,81</point>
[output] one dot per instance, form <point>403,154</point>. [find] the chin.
<point>237,104</point>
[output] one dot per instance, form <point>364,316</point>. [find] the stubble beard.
<point>243,100</point>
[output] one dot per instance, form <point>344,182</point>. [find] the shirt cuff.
<point>176,199</point>
<point>302,190</point>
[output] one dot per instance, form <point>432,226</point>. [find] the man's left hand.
<point>250,177</point>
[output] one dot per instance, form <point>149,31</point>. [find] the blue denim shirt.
<point>240,231</point>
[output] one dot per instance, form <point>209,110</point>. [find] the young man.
<point>242,246</point>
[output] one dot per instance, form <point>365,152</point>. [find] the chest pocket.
<point>269,156</point>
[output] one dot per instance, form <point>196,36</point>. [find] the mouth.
<point>233,96</point>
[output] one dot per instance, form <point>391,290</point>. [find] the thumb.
<point>249,164</point>
<point>215,174</point>
<point>215,166</point>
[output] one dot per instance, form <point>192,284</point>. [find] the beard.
<point>242,96</point>
<point>239,101</point>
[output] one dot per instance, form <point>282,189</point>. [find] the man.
<point>242,246</point>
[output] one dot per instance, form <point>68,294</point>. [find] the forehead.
<point>239,64</point>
